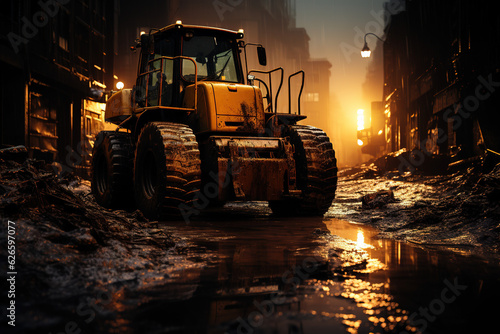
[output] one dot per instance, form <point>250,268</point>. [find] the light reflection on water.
<point>361,284</point>
<point>370,306</point>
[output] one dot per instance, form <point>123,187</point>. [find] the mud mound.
<point>29,192</point>
<point>459,209</point>
<point>69,250</point>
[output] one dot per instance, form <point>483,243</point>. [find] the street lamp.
<point>366,52</point>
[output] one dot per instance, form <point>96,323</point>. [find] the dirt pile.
<point>69,249</point>
<point>459,209</point>
<point>466,201</point>
<point>29,192</point>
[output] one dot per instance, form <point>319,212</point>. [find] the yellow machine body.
<point>119,106</point>
<point>226,107</point>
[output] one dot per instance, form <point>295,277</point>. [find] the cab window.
<point>214,56</point>
<point>154,85</point>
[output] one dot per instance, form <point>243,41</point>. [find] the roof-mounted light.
<point>241,34</point>
<point>178,24</point>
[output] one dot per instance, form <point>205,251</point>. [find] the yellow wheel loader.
<point>197,130</point>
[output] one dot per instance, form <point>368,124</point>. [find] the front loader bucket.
<point>250,169</point>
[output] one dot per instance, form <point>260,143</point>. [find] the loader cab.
<point>173,57</point>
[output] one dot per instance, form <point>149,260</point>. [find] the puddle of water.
<point>311,275</point>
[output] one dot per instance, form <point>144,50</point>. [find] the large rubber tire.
<point>316,167</point>
<point>167,170</point>
<point>112,159</point>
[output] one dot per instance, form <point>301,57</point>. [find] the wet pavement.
<point>427,261</point>
<point>263,274</point>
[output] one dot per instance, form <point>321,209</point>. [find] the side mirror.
<point>261,52</point>
<point>147,43</point>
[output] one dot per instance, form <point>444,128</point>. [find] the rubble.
<point>378,200</point>
<point>30,192</point>
<point>15,153</point>
<point>69,248</point>
<point>460,208</point>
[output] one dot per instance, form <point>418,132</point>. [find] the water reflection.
<point>361,239</point>
<point>305,276</point>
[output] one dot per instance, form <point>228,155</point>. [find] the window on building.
<point>312,97</point>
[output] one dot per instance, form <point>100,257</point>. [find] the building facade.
<point>56,59</point>
<point>441,78</point>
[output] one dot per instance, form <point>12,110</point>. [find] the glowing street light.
<point>120,85</point>
<point>366,52</point>
<point>361,119</point>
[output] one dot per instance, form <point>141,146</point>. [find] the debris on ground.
<point>378,200</point>
<point>15,153</point>
<point>29,192</point>
<point>460,208</point>
<point>69,248</point>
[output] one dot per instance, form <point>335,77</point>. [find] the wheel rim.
<point>101,177</point>
<point>149,174</point>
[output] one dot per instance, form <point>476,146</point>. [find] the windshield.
<point>214,57</point>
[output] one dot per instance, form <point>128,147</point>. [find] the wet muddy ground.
<point>239,269</point>
<point>306,275</point>
<point>459,210</point>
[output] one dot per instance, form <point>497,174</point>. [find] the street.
<point>240,269</point>
<point>306,275</point>
<point>243,167</point>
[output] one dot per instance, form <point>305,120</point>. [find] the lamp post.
<point>366,52</point>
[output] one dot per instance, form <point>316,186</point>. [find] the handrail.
<point>269,73</point>
<point>267,97</point>
<point>300,93</point>
<point>162,59</point>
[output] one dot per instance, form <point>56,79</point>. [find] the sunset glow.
<point>361,119</point>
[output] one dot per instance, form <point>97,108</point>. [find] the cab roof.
<point>180,25</point>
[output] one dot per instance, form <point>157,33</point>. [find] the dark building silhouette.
<point>441,78</point>
<point>53,56</point>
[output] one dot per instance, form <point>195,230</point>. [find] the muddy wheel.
<point>167,170</point>
<point>316,167</point>
<point>112,158</point>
